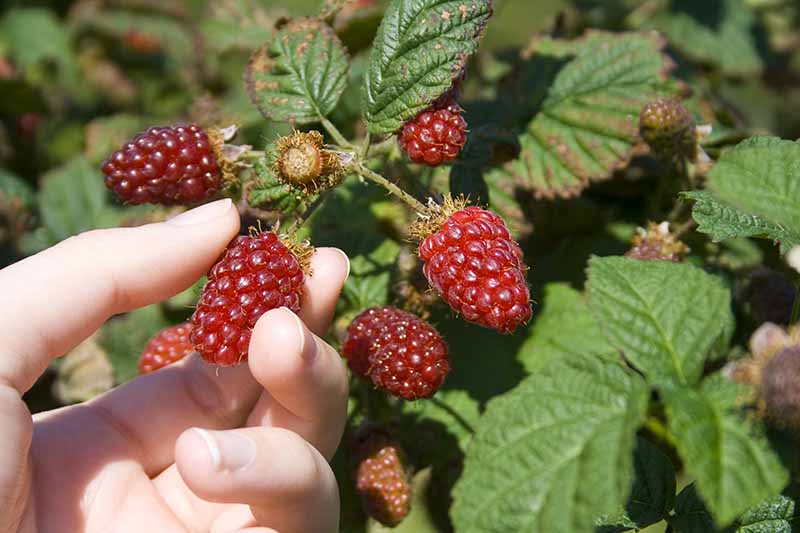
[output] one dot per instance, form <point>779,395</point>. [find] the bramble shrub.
<point>573,302</point>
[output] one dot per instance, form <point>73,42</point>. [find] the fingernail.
<point>346,261</point>
<point>200,215</point>
<point>308,346</point>
<point>229,451</point>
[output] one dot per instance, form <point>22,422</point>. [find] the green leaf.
<point>35,35</point>
<point>759,178</point>
<point>586,124</point>
<point>554,453</point>
<point>667,318</point>
<point>14,192</point>
<point>691,514</point>
<point>123,338</point>
<point>73,199</point>
<point>420,48</point>
<point>776,515</point>
<point>723,449</point>
<point>299,75</point>
<point>370,275</point>
<point>722,222</point>
<point>653,494</point>
<point>720,33</point>
<point>563,328</point>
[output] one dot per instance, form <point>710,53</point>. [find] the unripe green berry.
<point>668,128</point>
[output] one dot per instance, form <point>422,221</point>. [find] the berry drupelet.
<point>398,352</point>
<point>167,346</point>
<point>165,165</point>
<point>256,274</point>
<point>436,135</point>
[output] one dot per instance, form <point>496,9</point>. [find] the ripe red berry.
<point>474,264</point>
<point>165,165</point>
<point>381,480</point>
<point>398,352</point>
<point>436,135</point>
<point>166,347</point>
<point>256,274</point>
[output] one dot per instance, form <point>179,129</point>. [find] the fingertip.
<point>330,268</point>
<point>279,345</point>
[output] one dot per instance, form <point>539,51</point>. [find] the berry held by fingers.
<point>398,352</point>
<point>473,264</point>
<point>165,165</point>
<point>167,346</point>
<point>257,273</point>
<point>381,480</point>
<point>436,135</point>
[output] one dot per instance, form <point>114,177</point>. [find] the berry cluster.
<point>436,135</point>
<point>166,347</point>
<point>165,165</point>
<point>397,351</point>
<point>474,265</point>
<point>256,274</point>
<point>381,480</point>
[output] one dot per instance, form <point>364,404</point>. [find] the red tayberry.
<point>165,165</point>
<point>474,264</point>
<point>436,135</point>
<point>397,351</point>
<point>256,274</point>
<point>381,479</point>
<point>166,347</point>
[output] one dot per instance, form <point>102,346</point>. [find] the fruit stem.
<point>364,172</point>
<point>335,133</point>
<point>253,154</point>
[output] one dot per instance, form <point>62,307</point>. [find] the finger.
<point>63,294</point>
<point>305,380</point>
<point>17,428</point>
<point>329,270</point>
<point>287,484</point>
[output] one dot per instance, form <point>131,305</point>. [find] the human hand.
<point>135,459</point>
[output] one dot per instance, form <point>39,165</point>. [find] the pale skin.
<point>188,448</point>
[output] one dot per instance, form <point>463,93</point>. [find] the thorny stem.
<point>389,186</point>
<point>335,133</point>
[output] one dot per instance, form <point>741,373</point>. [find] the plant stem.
<point>253,154</point>
<point>365,147</point>
<point>389,186</point>
<point>335,133</point>
<point>659,430</point>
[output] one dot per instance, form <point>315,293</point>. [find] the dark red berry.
<point>256,274</point>
<point>780,389</point>
<point>397,351</point>
<point>436,135</point>
<point>167,346</point>
<point>381,479</point>
<point>165,165</point>
<point>475,265</point>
